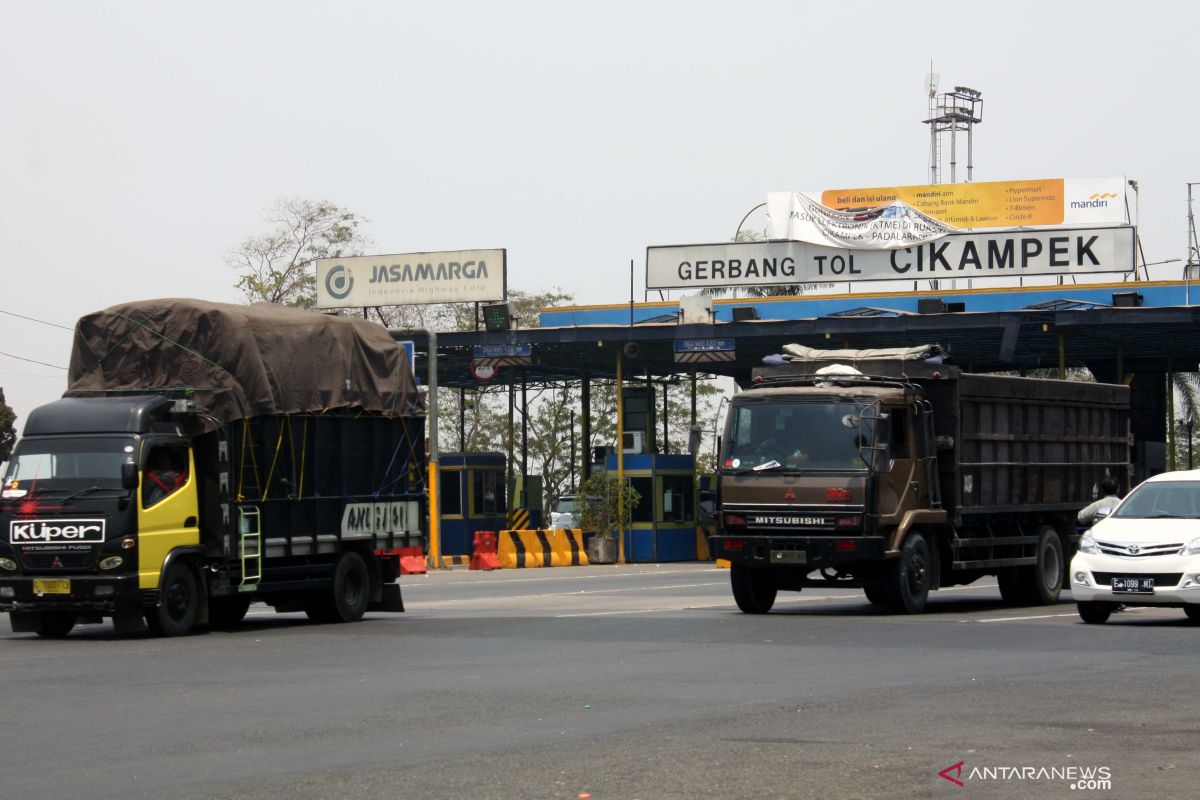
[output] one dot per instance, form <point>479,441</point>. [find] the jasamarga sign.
<point>1056,251</point>
<point>451,276</point>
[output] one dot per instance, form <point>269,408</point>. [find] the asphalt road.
<point>611,682</point>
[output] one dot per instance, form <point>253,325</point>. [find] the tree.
<point>276,267</point>
<point>8,432</point>
<point>605,506</point>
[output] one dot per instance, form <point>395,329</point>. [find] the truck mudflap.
<point>99,594</point>
<point>814,552</point>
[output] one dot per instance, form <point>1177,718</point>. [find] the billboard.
<point>449,276</point>
<point>1010,253</point>
<point>996,204</point>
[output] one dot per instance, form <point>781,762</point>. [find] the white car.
<point>1145,553</point>
<point>565,513</point>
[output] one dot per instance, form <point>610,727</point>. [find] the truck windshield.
<point>1162,500</point>
<point>798,435</point>
<point>65,465</point>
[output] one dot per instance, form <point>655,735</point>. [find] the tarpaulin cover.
<point>242,361</point>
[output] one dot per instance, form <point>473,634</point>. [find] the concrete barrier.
<point>552,547</point>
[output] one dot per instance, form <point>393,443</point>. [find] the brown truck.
<point>902,476</point>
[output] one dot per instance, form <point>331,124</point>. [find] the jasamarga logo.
<point>43,531</point>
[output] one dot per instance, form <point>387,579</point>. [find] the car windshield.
<point>767,435</point>
<point>1162,500</point>
<point>566,505</point>
<point>66,465</point>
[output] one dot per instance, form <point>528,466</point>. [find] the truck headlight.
<point>8,564</point>
<point>112,562</point>
<point>1088,545</point>
<point>1192,548</point>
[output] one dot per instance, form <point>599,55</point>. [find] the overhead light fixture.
<point>498,316</point>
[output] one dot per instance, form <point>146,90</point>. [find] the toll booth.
<point>525,492</point>
<point>473,498</point>
<point>664,524</point>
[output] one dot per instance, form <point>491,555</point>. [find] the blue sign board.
<point>702,345</point>
<point>410,354</point>
<point>503,351</point>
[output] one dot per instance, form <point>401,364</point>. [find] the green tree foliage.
<point>605,506</point>
<point>8,430</point>
<point>276,267</point>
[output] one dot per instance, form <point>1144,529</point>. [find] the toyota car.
<point>1146,552</point>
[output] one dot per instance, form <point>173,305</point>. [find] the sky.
<point>140,142</point>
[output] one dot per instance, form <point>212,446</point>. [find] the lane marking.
<point>493,599</point>
<point>505,580</point>
<point>1018,619</point>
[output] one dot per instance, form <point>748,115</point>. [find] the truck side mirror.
<point>129,476</point>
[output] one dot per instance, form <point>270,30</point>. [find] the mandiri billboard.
<point>450,276</point>
<point>965,206</point>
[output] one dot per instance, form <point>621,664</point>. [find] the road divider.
<point>554,547</point>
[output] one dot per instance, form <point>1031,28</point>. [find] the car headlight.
<point>1192,548</point>
<point>1088,545</point>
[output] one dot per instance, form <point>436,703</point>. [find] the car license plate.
<point>1131,584</point>
<point>789,557</point>
<point>51,586</point>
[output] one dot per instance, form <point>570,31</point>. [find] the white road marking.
<point>1018,619</point>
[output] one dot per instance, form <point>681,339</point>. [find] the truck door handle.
<point>190,522</point>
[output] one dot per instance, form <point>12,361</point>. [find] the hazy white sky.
<point>140,141</point>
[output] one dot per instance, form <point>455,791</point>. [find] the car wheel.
<point>1095,613</point>
<point>1193,613</point>
<point>754,588</point>
<point>907,580</point>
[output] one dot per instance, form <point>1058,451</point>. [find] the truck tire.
<point>876,594</point>
<point>54,624</point>
<point>753,588</point>
<point>178,602</point>
<point>227,611</point>
<point>1095,613</point>
<point>1039,584</point>
<point>346,600</point>
<point>907,580</point>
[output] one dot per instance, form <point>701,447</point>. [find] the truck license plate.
<point>51,586</point>
<point>1131,584</point>
<point>789,557</point>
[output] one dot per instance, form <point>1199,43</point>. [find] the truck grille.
<point>57,561</point>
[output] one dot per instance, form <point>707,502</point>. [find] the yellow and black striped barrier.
<point>456,561</point>
<point>542,548</point>
<point>518,519</point>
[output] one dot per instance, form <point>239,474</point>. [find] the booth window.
<point>677,498</point>
<point>451,489</point>
<point>489,492</point>
<point>644,510</point>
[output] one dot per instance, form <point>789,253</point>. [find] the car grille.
<point>1161,579</point>
<point>1122,549</point>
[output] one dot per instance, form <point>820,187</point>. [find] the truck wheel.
<point>876,594</point>
<point>753,588</point>
<point>1011,588</point>
<point>54,624</point>
<point>1044,580</point>
<point>346,600</point>
<point>907,580</point>
<point>178,601</point>
<point>1095,613</point>
<point>227,611</point>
